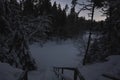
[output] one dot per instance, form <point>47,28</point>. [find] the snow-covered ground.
<point>9,73</point>
<point>95,71</point>
<point>64,54</point>
<point>50,55</point>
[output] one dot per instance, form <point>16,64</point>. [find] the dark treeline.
<point>29,21</point>
<point>62,25</point>
<point>108,40</point>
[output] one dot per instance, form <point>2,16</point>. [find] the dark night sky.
<point>97,16</point>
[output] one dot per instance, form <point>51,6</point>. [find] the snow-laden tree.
<point>16,33</point>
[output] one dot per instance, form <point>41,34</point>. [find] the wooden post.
<point>55,70</point>
<point>26,75</point>
<point>62,72</point>
<point>75,75</point>
<point>58,73</point>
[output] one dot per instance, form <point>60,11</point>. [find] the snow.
<point>9,73</point>
<point>65,55</point>
<point>52,54</point>
<point>95,71</point>
<point>62,55</point>
<point>45,74</point>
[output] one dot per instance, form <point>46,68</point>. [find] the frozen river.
<point>52,54</point>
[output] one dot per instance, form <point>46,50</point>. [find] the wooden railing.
<point>59,71</point>
<point>24,75</point>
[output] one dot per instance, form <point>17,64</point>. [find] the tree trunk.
<point>90,35</point>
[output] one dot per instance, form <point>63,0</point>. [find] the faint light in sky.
<point>97,15</point>
<point>62,2</point>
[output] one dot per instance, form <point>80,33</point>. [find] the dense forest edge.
<point>26,22</point>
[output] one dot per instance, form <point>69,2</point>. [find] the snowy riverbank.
<point>64,54</point>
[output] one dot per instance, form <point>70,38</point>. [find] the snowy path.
<point>45,75</point>
<point>50,55</point>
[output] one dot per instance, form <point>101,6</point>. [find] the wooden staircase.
<point>59,72</point>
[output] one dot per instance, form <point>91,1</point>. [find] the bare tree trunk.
<point>90,35</point>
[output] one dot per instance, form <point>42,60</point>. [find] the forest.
<point>25,22</point>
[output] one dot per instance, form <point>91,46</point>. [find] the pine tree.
<point>28,8</point>
<point>73,15</point>
<point>47,6</point>
<point>66,8</point>
<point>14,47</point>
